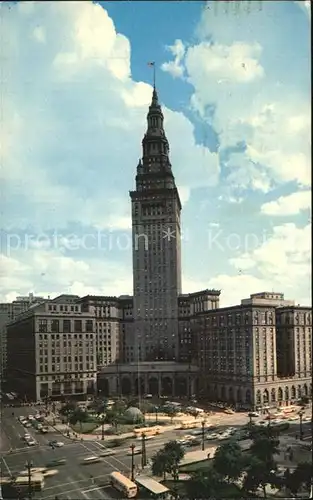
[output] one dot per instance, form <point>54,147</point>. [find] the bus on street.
<point>150,488</point>
<point>123,485</point>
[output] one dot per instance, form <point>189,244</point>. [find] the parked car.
<point>56,444</point>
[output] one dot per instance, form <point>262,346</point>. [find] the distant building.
<point>156,231</point>
<point>52,350</point>
<point>8,312</point>
<point>255,354</point>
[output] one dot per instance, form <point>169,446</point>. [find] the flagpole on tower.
<point>152,65</point>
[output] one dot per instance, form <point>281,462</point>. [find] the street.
<point>75,480</point>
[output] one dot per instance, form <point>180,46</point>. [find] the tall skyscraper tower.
<point>156,237</point>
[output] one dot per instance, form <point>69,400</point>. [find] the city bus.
<point>147,431</point>
<point>151,488</point>
<point>123,484</point>
<point>189,424</point>
<point>37,482</point>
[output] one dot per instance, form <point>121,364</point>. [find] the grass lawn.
<point>204,465</point>
<point>85,427</point>
<point>227,490</point>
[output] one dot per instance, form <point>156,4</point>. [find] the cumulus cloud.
<point>87,120</point>
<point>175,67</point>
<point>288,205</point>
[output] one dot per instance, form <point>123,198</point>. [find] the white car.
<point>212,436</point>
<point>91,460</point>
<point>27,436</point>
<point>254,414</point>
<point>50,472</point>
<point>34,470</point>
<point>107,453</point>
<point>59,444</point>
<point>31,442</point>
<point>137,451</point>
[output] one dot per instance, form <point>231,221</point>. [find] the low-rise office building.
<point>52,350</point>
<point>255,354</point>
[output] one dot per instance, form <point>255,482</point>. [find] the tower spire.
<point>152,65</point>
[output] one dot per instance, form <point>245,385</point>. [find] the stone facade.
<point>159,378</point>
<point>156,234</point>
<point>52,350</point>
<point>8,312</point>
<point>242,352</point>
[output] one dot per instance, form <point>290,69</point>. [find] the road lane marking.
<point>92,489</point>
<point>6,465</point>
<point>75,482</point>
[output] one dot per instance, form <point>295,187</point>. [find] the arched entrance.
<point>231,395</point>
<point>223,393</point>
<point>265,397</point>
<point>126,386</point>
<point>181,387</point>
<point>293,392</point>
<point>273,395</point>
<point>153,386</point>
<point>139,386</point>
<point>239,396</point>
<point>215,393</point>
<point>103,386</point>
<point>248,396</point>
<point>258,398</point>
<point>305,390</point>
<point>299,392</point>
<point>167,386</point>
<point>280,394</point>
<point>286,394</point>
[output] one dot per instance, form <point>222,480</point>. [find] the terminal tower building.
<point>156,237</point>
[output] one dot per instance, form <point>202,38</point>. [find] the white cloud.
<point>288,205</point>
<point>243,103</point>
<point>284,258</point>
<point>175,67</point>
<point>39,34</point>
<point>235,63</point>
<point>57,273</point>
<point>87,121</point>
<point>305,5</point>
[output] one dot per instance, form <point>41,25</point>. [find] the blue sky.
<point>235,90</point>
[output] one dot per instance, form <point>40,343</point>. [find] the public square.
<point>76,480</point>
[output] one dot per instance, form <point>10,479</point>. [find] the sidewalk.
<point>66,431</point>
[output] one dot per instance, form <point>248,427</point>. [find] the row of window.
<point>65,325</point>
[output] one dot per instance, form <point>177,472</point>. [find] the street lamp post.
<point>28,466</point>
<point>202,443</point>
<point>301,424</point>
<point>132,447</point>
<point>102,429</point>
<point>143,451</point>
<point>156,414</point>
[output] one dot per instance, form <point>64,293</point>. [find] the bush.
<point>109,432</point>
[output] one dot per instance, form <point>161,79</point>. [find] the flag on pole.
<point>152,65</point>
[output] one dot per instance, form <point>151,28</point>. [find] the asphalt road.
<point>75,480</point>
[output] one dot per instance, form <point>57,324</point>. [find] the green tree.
<point>160,464</point>
<point>265,445</point>
<point>257,475</point>
<point>176,453</point>
<point>119,407</point>
<point>68,408</point>
<point>171,412</point>
<point>99,405</point>
<point>204,484</point>
<point>80,416</point>
<point>229,461</point>
<point>112,417</point>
